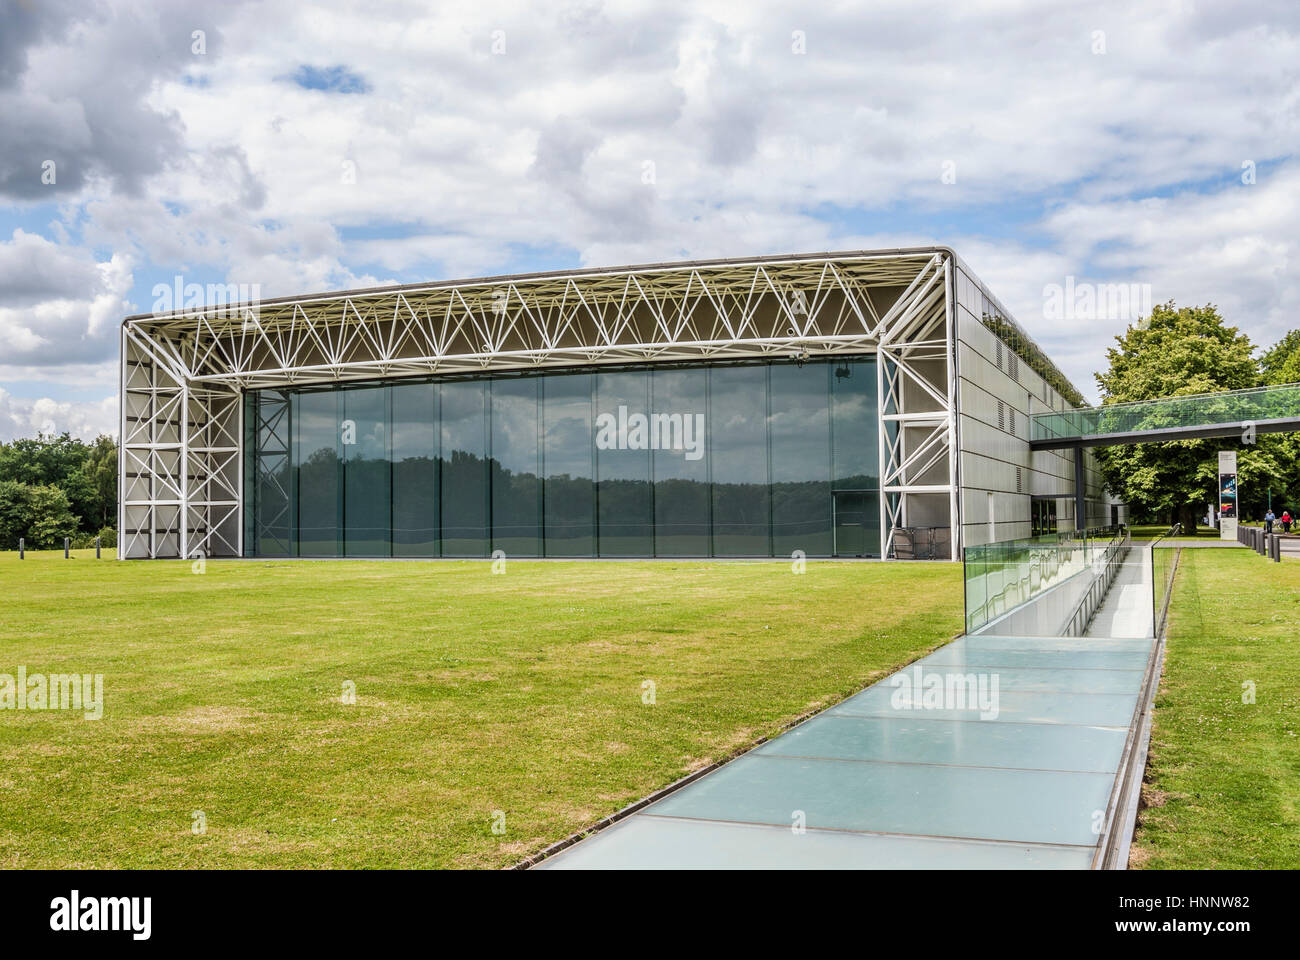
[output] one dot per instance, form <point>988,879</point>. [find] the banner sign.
<point>1227,494</point>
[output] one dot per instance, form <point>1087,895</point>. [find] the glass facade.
<point>751,459</point>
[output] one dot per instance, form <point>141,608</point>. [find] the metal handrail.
<point>1160,604</point>
<point>1239,392</point>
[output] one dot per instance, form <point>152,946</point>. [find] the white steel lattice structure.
<point>184,373</point>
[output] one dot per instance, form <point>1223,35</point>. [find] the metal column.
<point>1080,490</point>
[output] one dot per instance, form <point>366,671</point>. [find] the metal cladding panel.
<point>998,392</point>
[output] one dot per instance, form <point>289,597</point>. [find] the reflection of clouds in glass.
<point>854,414</point>
<point>315,420</point>
<point>681,392</point>
<point>800,424</point>
<point>462,399</point>
<point>739,436</point>
<point>514,429</point>
<point>568,446</point>
<point>612,391</point>
<point>463,420</point>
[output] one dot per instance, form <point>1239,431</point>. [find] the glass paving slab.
<point>1034,746</point>
<point>665,843</point>
<point>889,780</point>
<point>1089,709</point>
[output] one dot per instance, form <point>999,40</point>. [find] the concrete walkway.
<point>903,776</point>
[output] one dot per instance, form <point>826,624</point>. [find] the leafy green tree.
<point>39,514</point>
<point>42,460</point>
<point>1281,362</point>
<point>1180,351</point>
<point>99,471</point>
<point>52,517</point>
<point>86,473</point>
<point>15,513</point>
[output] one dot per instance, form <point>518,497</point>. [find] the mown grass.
<point>1223,783</point>
<point>475,693</point>
<point>1151,531</point>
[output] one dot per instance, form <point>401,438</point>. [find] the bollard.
<point>97,548</point>
<point>1277,549</point>
<point>67,545</point>
<point>22,548</point>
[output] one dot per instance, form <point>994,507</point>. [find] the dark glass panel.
<point>367,474</point>
<point>318,466</point>
<point>625,524</point>
<point>738,448</point>
<point>570,495</point>
<point>464,474</point>
<point>516,471</point>
<point>853,521</point>
<point>679,418</point>
<point>855,439</point>
<point>415,470</point>
<point>800,428</point>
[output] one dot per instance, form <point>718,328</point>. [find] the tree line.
<point>53,487</point>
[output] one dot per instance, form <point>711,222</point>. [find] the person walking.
<point>1268,520</point>
<point>1286,521</point>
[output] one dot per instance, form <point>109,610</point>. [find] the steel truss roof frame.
<point>184,373</point>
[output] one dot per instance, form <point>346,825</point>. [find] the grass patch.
<point>476,693</point>
<point>1222,789</point>
<point>1151,531</point>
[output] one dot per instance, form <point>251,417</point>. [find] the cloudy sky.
<point>346,144</point>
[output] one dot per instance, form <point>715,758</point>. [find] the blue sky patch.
<point>335,79</point>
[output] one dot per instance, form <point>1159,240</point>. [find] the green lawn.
<point>475,693</point>
<point>1223,785</point>
<point>1151,531</point>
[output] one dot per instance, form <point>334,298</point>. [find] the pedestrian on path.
<point>1286,521</point>
<point>1268,520</point>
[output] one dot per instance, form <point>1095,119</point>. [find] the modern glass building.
<point>860,404</point>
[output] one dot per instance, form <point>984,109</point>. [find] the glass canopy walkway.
<point>1273,409</point>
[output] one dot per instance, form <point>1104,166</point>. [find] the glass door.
<point>854,514</point>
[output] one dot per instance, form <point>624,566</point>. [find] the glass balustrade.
<point>1001,576</point>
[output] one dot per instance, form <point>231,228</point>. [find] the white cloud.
<point>1235,247</point>
<point>59,306</point>
<point>25,417</point>
<point>216,164</point>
